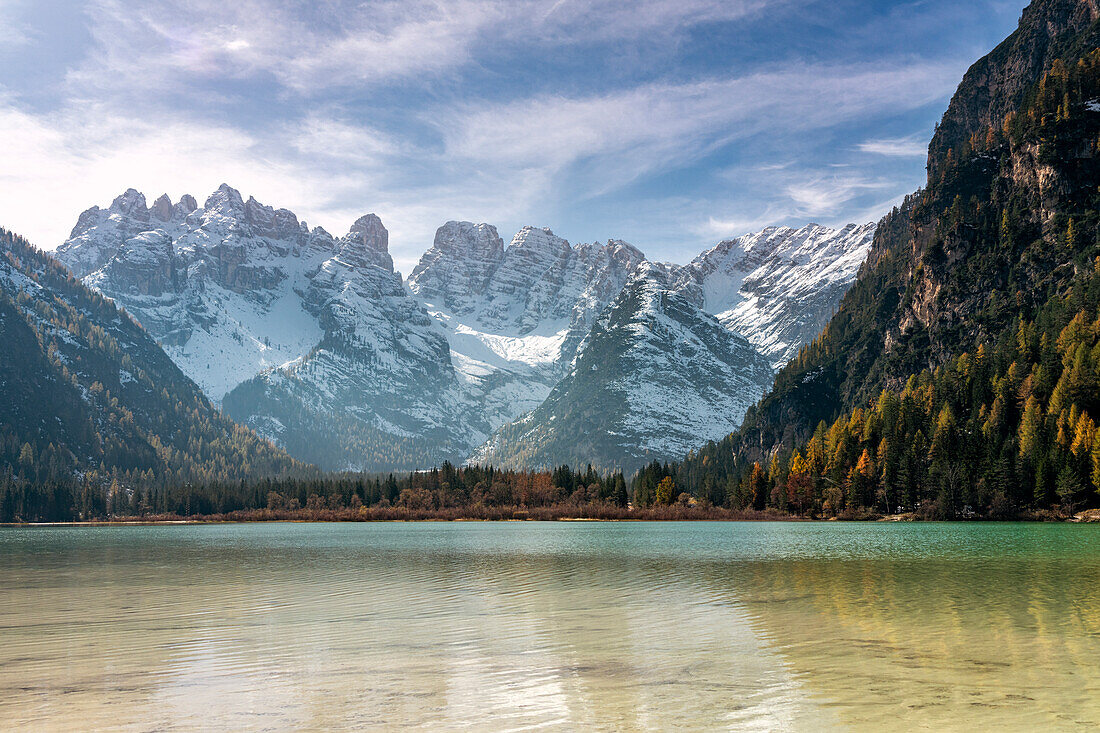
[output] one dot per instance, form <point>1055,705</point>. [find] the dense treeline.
<point>462,491</point>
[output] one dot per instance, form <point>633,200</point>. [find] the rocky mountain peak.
<point>131,204</point>
<point>162,209</point>
<point>226,200</point>
<point>270,222</point>
<point>621,251</point>
<point>616,258</point>
<point>369,230</point>
<point>368,242</point>
<point>534,239</point>
<point>466,239</point>
<point>459,265</point>
<point>87,219</point>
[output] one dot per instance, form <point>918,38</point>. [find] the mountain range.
<point>315,342</point>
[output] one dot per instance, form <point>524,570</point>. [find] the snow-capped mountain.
<point>312,340</point>
<point>777,287</point>
<point>539,285</point>
<point>378,390</point>
<point>220,287</point>
<point>316,342</point>
<point>654,378</point>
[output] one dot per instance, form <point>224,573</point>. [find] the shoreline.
<point>665,514</point>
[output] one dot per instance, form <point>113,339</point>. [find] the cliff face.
<point>1012,190</point>
<point>996,84</point>
<point>998,147</point>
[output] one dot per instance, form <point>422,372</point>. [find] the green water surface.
<point>563,626</point>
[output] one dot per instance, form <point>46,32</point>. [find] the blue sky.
<point>669,123</point>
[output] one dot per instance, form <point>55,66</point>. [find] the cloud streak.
<point>900,147</point>
<point>310,48</point>
<point>604,142</point>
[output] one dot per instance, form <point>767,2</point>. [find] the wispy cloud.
<point>602,143</point>
<point>598,20</point>
<point>900,147</point>
<point>729,227</point>
<point>826,195</point>
<point>311,47</point>
<point>803,195</point>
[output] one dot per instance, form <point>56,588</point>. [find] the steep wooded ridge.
<point>89,402</point>
<point>961,320</point>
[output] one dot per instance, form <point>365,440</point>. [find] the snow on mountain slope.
<point>654,378</point>
<point>312,340</point>
<point>514,316</point>
<point>220,287</point>
<point>777,287</point>
<point>378,391</point>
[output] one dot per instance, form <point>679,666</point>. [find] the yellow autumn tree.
<point>665,491</point>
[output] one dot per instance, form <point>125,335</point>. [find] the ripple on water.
<point>575,625</point>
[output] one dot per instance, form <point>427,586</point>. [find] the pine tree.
<point>1031,426</point>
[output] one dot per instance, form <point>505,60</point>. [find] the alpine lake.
<point>558,626</point>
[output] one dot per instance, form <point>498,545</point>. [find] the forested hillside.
<point>960,371</point>
<point>91,407</point>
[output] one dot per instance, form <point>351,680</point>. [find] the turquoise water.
<point>570,625</point>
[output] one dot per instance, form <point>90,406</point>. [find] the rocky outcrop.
<point>539,285</point>
<point>367,244</point>
<point>455,272</point>
<point>143,264</point>
<point>996,84</point>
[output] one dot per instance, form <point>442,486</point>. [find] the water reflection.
<point>519,626</point>
<point>945,644</point>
